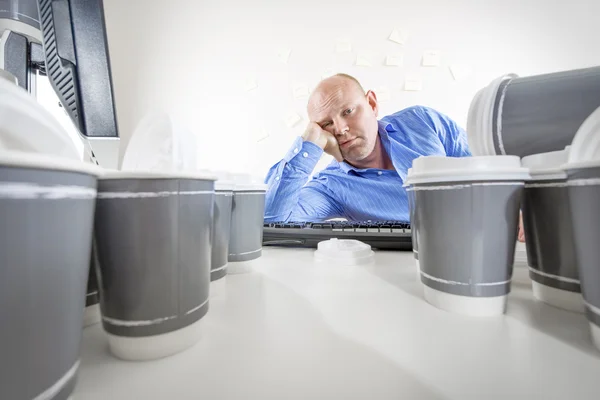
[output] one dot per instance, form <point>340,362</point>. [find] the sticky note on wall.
<point>343,46</point>
<point>260,134</point>
<point>399,36</point>
<point>413,83</point>
<point>250,84</point>
<point>284,55</point>
<point>394,60</point>
<point>363,61</point>
<point>300,91</point>
<point>292,119</point>
<point>431,58</point>
<point>460,71</point>
<point>383,94</point>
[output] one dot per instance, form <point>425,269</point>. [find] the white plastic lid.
<point>432,169</point>
<point>115,174</point>
<point>585,147</point>
<point>23,159</point>
<point>26,126</point>
<point>408,177</point>
<point>224,186</point>
<point>344,251</point>
<point>159,143</point>
<point>546,166</point>
<point>247,183</point>
<point>480,119</point>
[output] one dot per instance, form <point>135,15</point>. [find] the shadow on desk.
<point>568,327</point>
<point>260,340</point>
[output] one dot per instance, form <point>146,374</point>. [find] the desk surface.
<point>296,330</point>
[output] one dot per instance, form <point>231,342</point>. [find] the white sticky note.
<point>383,93</point>
<point>327,73</point>
<point>300,91</point>
<point>250,84</point>
<point>413,83</point>
<point>431,58</point>
<point>394,60</point>
<point>284,55</point>
<point>399,36</point>
<point>292,119</point>
<point>343,46</point>
<point>460,71</point>
<point>260,134</point>
<point>363,61</point>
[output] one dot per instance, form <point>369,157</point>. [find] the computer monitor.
<point>65,40</point>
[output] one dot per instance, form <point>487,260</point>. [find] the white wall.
<point>193,58</point>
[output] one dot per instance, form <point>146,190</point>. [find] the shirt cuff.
<point>303,154</point>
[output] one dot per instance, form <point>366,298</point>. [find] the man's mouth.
<point>347,143</point>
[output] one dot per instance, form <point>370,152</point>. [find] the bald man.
<point>372,157</point>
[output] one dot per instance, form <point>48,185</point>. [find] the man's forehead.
<point>331,96</point>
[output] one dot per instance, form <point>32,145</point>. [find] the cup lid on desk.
<point>585,147</point>
<point>30,160</point>
<point>546,166</point>
<point>432,169</point>
<point>117,174</point>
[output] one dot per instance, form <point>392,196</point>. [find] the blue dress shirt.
<point>342,191</point>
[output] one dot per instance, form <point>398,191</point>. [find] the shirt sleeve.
<point>453,137</point>
<point>289,196</point>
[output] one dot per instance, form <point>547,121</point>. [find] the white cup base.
<point>570,301</point>
<point>240,267</point>
<point>91,315</point>
<point>595,334</point>
<point>471,306</point>
<point>156,346</point>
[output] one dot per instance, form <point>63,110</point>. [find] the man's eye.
<point>348,111</point>
<point>325,125</point>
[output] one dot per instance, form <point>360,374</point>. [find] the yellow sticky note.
<point>260,134</point>
<point>431,58</point>
<point>300,91</point>
<point>413,83</point>
<point>284,55</point>
<point>292,119</point>
<point>399,36</point>
<point>393,60</point>
<point>363,61</point>
<point>460,71</point>
<point>250,84</point>
<point>383,94</point>
<point>343,46</point>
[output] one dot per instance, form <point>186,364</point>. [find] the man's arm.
<point>453,137</point>
<point>290,197</point>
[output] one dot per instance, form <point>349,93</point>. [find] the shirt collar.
<point>383,129</point>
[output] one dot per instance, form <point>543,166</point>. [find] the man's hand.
<point>325,140</point>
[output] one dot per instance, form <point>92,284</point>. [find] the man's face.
<point>342,109</point>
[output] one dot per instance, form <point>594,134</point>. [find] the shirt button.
<point>305,154</point>
<point>296,151</point>
<point>379,172</point>
<point>276,178</point>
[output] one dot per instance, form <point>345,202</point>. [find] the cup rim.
<point>121,174</point>
<point>581,165</point>
<point>23,159</point>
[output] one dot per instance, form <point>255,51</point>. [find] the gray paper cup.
<point>91,313</point>
<point>584,195</point>
<point>47,211</point>
<point>413,220</point>
<point>548,232</point>
<point>221,229</point>
<point>468,212</point>
<point>153,243</point>
<point>247,219</point>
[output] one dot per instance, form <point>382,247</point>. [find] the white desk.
<point>294,330</point>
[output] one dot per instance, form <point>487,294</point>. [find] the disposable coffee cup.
<point>221,229</point>
<point>91,315</point>
<point>247,219</point>
<point>468,213</point>
<point>152,233</point>
<point>583,179</point>
<point>413,220</point>
<point>47,211</point>
<point>548,232</point>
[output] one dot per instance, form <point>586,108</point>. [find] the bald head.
<point>338,84</point>
<point>340,106</point>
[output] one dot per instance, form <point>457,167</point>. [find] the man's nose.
<point>341,128</point>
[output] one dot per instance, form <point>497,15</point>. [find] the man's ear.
<point>372,100</point>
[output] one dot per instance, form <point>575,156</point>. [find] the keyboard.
<point>385,235</point>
